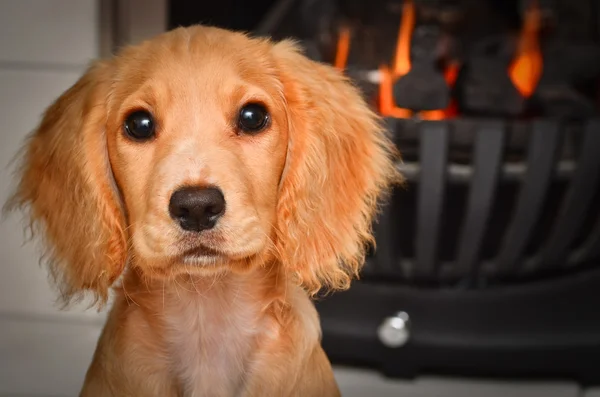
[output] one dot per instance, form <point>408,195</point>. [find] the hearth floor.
<point>45,357</point>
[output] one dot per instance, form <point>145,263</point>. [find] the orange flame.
<point>407,25</point>
<point>386,97</point>
<point>401,67</point>
<point>526,69</point>
<point>450,75</point>
<point>343,48</point>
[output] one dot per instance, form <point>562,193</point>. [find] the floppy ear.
<point>66,189</point>
<point>339,163</point>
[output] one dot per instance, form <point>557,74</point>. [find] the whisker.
<point>128,296</point>
<point>193,282</point>
<point>163,294</point>
<point>176,285</point>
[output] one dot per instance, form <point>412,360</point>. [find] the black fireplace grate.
<point>530,174</point>
<point>488,260</point>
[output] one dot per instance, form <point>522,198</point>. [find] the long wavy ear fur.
<point>339,163</point>
<point>66,190</point>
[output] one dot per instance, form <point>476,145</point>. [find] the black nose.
<point>197,208</point>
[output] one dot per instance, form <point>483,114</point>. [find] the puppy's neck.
<point>211,327</point>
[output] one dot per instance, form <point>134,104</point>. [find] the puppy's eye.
<point>139,125</point>
<point>253,118</point>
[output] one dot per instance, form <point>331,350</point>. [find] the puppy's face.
<point>197,142</point>
<point>201,151</point>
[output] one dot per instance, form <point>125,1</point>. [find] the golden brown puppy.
<point>228,179</point>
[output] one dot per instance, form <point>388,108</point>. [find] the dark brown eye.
<point>139,125</point>
<point>253,118</point>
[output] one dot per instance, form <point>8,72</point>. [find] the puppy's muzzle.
<point>197,208</point>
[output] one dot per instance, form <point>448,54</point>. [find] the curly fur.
<point>338,168</point>
<point>65,192</point>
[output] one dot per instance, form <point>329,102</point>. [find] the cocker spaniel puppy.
<point>226,179</point>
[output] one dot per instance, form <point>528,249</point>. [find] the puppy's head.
<point>205,151</point>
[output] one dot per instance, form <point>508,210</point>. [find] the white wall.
<point>44,47</point>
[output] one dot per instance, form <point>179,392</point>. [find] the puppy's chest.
<point>211,346</point>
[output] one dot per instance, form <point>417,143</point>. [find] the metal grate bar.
<point>391,124</point>
<point>576,203</point>
<point>510,172</point>
<point>385,257</point>
<point>590,249</point>
<point>543,147</point>
<point>488,156</point>
<point>274,17</point>
<point>433,153</point>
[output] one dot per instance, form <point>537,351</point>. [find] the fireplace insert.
<point>488,260</point>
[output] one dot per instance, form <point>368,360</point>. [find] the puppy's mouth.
<point>201,251</point>
<point>202,255</point>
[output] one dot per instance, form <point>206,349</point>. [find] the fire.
<point>387,107</point>
<point>386,96</point>
<point>343,48</point>
<point>526,69</point>
<point>450,75</point>
<point>401,67</point>
<point>407,25</point>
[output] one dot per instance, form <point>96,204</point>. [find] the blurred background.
<point>485,279</point>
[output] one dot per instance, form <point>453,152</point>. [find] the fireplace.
<point>438,59</point>
<point>487,262</point>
